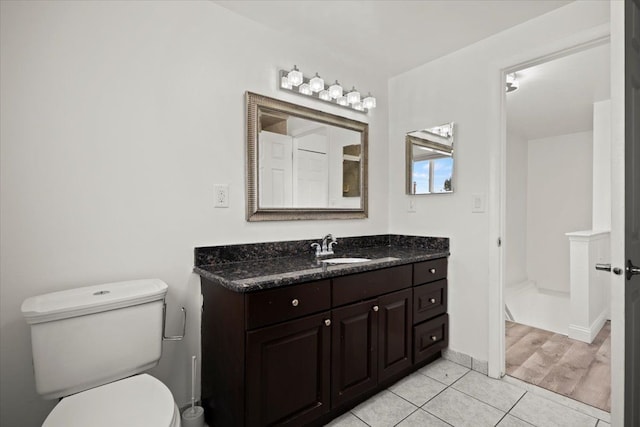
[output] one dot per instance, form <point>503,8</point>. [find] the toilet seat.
<point>138,401</point>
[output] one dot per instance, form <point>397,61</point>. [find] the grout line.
<point>351,412</point>
<point>412,412</point>
<point>518,401</point>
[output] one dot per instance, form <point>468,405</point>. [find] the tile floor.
<point>444,393</point>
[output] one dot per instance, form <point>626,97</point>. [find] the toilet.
<point>91,346</point>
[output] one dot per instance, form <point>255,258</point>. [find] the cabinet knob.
<point>295,302</point>
<point>432,300</point>
<point>375,308</point>
<point>434,338</point>
<point>327,322</point>
<point>432,270</point>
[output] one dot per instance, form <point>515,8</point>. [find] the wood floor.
<point>555,362</point>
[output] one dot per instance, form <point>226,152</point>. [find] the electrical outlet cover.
<point>221,195</point>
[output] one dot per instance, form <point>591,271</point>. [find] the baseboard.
<point>465,360</point>
<point>587,335</point>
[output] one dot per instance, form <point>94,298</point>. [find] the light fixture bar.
<point>323,93</point>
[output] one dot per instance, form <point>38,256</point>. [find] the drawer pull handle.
<point>295,302</point>
<point>432,300</point>
<point>434,338</point>
<point>432,270</point>
<point>375,308</point>
<point>327,322</point>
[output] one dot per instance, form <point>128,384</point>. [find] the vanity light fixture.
<point>335,90</point>
<point>305,89</point>
<point>324,95</point>
<point>512,83</point>
<point>295,76</point>
<point>294,81</point>
<point>369,102</point>
<point>285,83</point>
<point>316,83</point>
<point>353,96</point>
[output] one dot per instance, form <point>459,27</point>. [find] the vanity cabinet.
<point>431,323</point>
<point>302,354</point>
<point>288,368</point>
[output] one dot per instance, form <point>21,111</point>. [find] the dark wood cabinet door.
<point>354,353</point>
<point>288,368</point>
<point>394,333</point>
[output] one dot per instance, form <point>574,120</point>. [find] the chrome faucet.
<point>327,246</point>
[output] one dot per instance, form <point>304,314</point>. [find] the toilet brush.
<point>194,415</point>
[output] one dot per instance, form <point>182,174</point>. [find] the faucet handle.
<point>318,249</point>
<point>334,242</point>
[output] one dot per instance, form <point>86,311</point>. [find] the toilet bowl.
<point>138,401</point>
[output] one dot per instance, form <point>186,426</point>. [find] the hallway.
<point>555,362</point>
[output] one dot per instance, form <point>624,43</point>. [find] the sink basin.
<point>345,260</point>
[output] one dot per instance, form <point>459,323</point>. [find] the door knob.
<point>632,270</point>
<point>607,267</point>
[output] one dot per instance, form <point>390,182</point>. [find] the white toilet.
<point>90,347</point>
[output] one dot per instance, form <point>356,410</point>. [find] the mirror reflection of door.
<point>311,169</point>
<point>275,170</point>
<point>307,164</point>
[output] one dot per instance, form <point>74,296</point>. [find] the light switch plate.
<point>412,205</point>
<point>478,202</point>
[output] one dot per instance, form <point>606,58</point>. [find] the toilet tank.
<point>86,337</point>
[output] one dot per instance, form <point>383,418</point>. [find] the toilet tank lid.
<point>91,299</point>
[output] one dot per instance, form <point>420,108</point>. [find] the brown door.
<point>288,367</point>
<point>632,213</point>
<point>394,333</point>
<point>354,353</point>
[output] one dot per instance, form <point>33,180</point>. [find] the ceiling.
<point>396,36</point>
<point>556,97</point>
<point>392,36</point>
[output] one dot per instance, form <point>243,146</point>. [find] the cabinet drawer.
<point>430,337</point>
<point>361,286</point>
<point>429,271</point>
<point>266,307</point>
<point>429,300</point>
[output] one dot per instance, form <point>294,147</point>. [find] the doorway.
<point>556,219</point>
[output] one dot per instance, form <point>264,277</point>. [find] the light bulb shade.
<point>353,96</point>
<point>324,95</point>
<point>342,100</point>
<point>316,83</point>
<point>335,90</point>
<point>295,76</point>
<point>358,106</point>
<point>304,89</point>
<point>284,83</point>
<point>369,102</point>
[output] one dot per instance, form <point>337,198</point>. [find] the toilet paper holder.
<point>164,324</point>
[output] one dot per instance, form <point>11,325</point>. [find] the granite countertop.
<point>238,267</point>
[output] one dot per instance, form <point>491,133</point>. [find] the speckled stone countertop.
<point>252,267</point>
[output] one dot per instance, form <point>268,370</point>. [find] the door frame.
<point>497,184</point>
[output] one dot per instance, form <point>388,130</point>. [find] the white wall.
<point>559,194</point>
<point>515,241</point>
<point>602,166</point>
<point>463,87</point>
<point>117,120</point>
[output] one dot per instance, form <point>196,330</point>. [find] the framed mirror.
<point>429,155</point>
<point>304,163</point>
